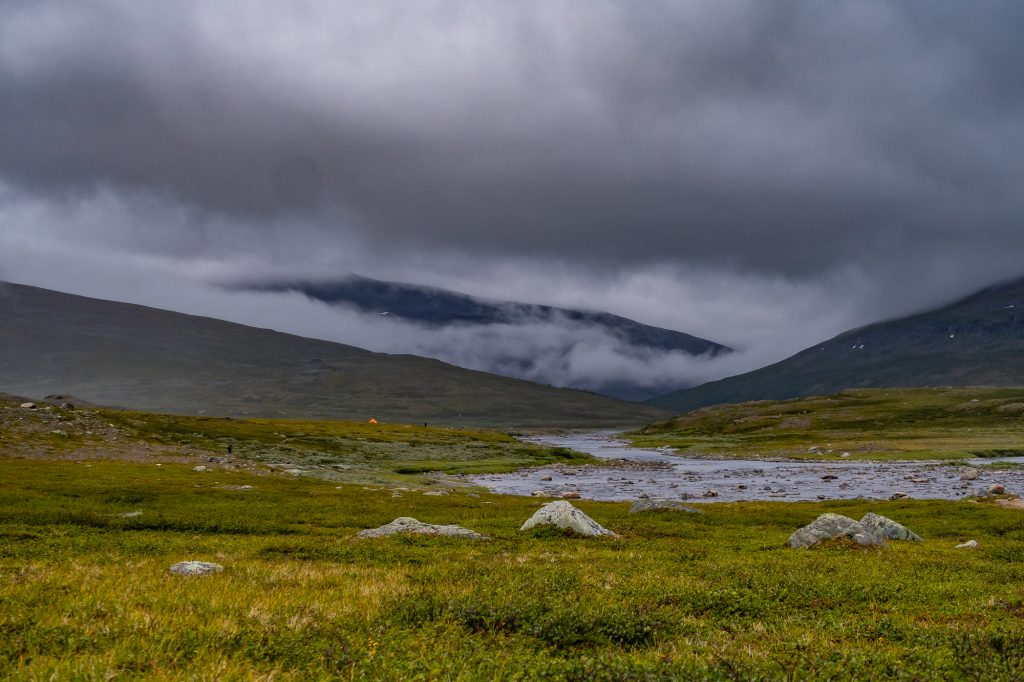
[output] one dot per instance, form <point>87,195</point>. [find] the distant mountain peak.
<point>438,308</point>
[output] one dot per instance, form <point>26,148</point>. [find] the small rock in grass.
<point>537,493</point>
<point>409,525</point>
<point>658,505</point>
<point>570,495</point>
<point>899,495</point>
<point>970,475</point>
<point>28,406</point>
<point>130,515</point>
<point>435,493</point>
<point>831,527</point>
<point>887,529</point>
<point>970,544</point>
<point>563,515</point>
<point>996,489</point>
<point>195,568</point>
<point>200,468</point>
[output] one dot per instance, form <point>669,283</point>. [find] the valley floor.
<point>92,518</point>
<point>85,591</point>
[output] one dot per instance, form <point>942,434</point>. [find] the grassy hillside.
<point>863,424</point>
<point>331,450</point>
<point>85,592</point>
<point>978,341</point>
<point>133,356</point>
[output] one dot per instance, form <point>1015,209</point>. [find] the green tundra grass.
<point>85,593</point>
<point>879,424</point>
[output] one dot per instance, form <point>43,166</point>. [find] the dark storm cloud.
<point>783,137</point>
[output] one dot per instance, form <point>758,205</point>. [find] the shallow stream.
<point>635,472</point>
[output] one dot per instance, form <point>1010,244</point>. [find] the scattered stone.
<point>570,495</point>
<point>887,529</point>
<point>195,568</point>
<point>829,477</point>
<point>545,478</point>
<point>537,493</point>
<point>200,468</point>
<point>435,493</point>
<point>970,544</point>
<point>711,493</point>
<point>130,515</point>
<point>660,504</point>
<point>899,495</point>
<point>831,527</point>
<point>409,525</point>
<point>29,406</point>
<point>472,495</point>
<point>236,487</point>
<point>970,475</point>
<point>1016,503</point>
<point>563,515</point>
<point>996,489</point>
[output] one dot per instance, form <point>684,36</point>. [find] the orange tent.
<point>373,421</point>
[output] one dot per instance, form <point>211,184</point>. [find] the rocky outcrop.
<point>561,514</point>
<point>195,568</point>
<point>409,525</point>
<point>643,505</point>
<point>887,529</point>
<point>833,527</point>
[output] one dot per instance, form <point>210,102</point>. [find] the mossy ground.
<point>85,593</point>
<point>877,424</point>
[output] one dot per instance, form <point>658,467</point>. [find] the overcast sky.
<point>763,174</point>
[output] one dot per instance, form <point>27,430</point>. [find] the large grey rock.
<point>887,529</point>
<point>409,525</point>
<point>831,527</point>
<point>563,515</point>
<point>656,504</point>
<point>195,568</point>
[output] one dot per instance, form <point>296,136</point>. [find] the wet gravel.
<point>634,473</point>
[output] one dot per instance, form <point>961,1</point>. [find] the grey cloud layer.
<point>783,137</point>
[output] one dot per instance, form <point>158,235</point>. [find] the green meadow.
<point>85,592</point>
<point>875,424</point>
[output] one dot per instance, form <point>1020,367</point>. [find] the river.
<point>633,473</point>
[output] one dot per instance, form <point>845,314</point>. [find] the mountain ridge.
<point>436,308</point>
<point>128,355</point>
<point>977,340</point>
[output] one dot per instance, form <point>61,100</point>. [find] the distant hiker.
<point>229,448</point>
